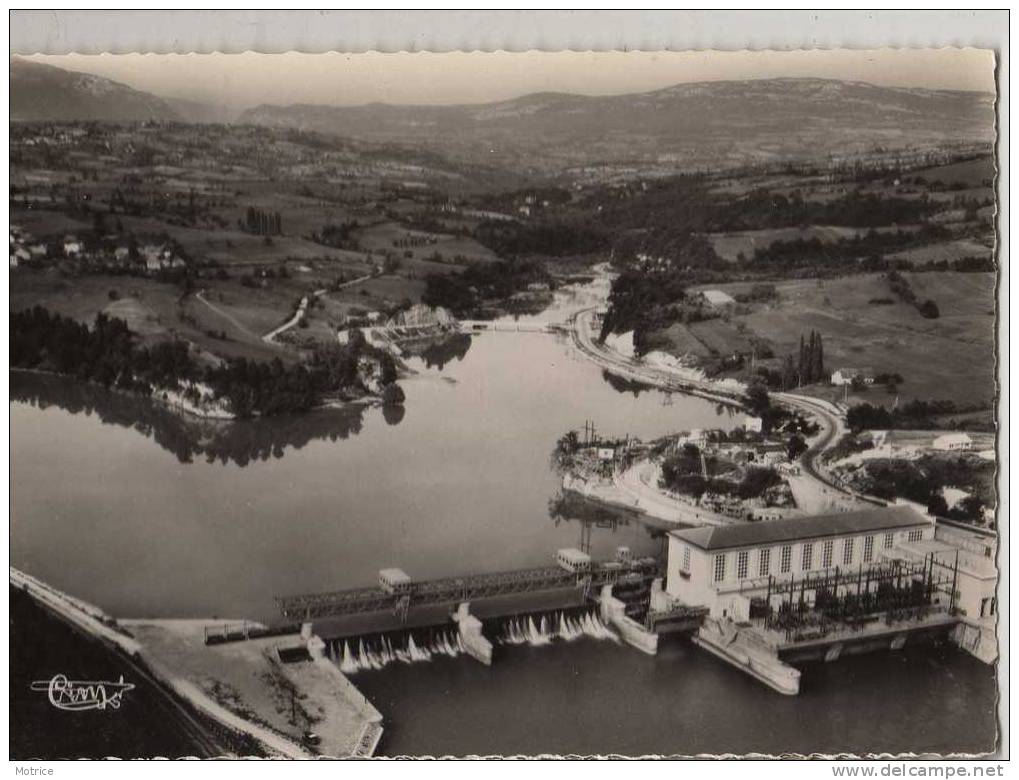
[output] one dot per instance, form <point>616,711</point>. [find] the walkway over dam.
<point>398,593</point>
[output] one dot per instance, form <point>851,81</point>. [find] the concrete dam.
<point>401,620</point>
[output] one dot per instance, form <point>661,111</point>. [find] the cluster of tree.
<point>867,248</point>
<point>105,353</point>
<point>510,238</point>
<point>690,461</point>
<point>924,481</point>
<point>465,293</point>
<point>754,482</point>
<point>916,414</point>
<point>810,367</point>
<point>108,355</point>
<point>339,235</point>
<point>900,286</point>
<point>964,265</point>
<point>262,223</point>
<point>642,302</point>
<point>765,209</point>
<point>564,454</point>
<point>240,444</point>
<point>507,201</point>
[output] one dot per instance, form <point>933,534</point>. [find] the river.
<point>144,513</point>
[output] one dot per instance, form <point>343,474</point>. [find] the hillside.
<point>711,123</point>
<point>45,93</point>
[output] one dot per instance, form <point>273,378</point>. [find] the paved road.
<point>828,416</point>
<point>302,307</point>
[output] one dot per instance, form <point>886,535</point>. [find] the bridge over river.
<point>397,593</point>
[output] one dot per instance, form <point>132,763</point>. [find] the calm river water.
<point>144,514</point>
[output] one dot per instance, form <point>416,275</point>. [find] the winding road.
<point>828,415</point>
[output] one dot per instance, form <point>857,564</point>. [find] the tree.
<point>788,373</point>
<point>796,446</point>
<point>393,395</point>
<point>757,399</point>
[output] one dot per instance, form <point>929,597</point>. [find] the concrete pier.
<point>745,650</point>
<point>474,641</point>
<point>613,613</point>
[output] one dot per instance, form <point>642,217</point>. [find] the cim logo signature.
<point>79,695</point>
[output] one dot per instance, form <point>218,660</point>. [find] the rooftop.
<point>717,297</point>
<point>796,528</point>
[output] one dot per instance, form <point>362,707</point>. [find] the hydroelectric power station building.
<point>725,567</point>
<point>820,587</point>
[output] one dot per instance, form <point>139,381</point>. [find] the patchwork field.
<point>946,252</point>
<point>951,357</point>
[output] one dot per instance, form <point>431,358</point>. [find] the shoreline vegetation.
<point>173,373</point>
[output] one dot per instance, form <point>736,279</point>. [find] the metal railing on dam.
<point>452,590</point>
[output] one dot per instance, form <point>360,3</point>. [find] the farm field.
<point>951,357</point>
<point>949,251</point>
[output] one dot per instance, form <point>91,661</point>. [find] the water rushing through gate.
<point>376,651</point>
<point>544,627</point>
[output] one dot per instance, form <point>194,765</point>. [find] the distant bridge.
<point>455,590</point>
<point>480,326</point>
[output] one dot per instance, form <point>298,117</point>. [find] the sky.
<point>239,81</point>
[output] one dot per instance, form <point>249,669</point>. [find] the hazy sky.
<point>244,80</point>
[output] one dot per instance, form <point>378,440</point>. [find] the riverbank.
<point>830,418</point>
<point>174,402</point>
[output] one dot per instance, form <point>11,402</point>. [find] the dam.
<point>403,620</point>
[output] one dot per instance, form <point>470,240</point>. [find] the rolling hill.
<point>45,93</point>
<point>722,122</point>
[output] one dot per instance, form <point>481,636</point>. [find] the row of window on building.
<point>809,552</point>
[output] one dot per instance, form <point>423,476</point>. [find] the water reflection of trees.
<point>438,354</point>
<point>188,438</point>
<point>623,385</point>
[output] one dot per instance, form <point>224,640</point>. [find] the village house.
<point>72,247</point>
<point>157,257</point>
<point>845,376</point>
<point>717,298</point>
<point>889,444</point>
<point>754,424</point>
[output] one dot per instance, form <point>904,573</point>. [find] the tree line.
<point>107,354</point>
<point>262,223</point>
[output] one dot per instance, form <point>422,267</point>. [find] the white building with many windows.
<point>724,567</point>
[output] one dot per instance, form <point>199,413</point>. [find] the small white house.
<point>845,376</point>
<point>953,442</point>
<point>606,453</point>
<point>696,436</point>
<point>718,298</point>
<point>753,424</point>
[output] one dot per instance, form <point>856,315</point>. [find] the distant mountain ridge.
<point>732,120</point>
<point>45,93</point>
<point>713,124</point>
